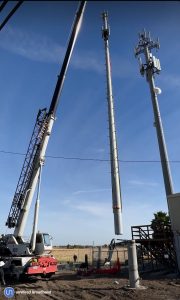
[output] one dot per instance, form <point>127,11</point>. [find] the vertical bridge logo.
<point>9,292</point>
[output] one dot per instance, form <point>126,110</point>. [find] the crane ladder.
<point>27,169</point>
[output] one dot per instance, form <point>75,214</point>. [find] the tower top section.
<point>105,28</point>
<point>145,42</point>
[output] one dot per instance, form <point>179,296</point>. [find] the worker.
<point>85,264</point>
<point>75,258</point>
<point>2,263</point>
<point>86,261</point>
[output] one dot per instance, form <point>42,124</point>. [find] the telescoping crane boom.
<point>13,244</point>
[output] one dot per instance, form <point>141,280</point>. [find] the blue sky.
<point>76,205</point>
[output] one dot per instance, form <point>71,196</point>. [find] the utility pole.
<point>150,68</point>
<point>115,179</point>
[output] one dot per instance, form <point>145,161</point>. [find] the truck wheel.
<point>48,275</point>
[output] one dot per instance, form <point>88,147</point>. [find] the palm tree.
<point>161,225</point>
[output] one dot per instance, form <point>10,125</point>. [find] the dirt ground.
<point>67,285</point>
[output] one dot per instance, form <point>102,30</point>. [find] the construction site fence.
<point>94,254</point>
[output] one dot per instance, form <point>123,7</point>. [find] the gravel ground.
<point>67,285</point>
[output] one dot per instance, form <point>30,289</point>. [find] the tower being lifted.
<point>116,191</point>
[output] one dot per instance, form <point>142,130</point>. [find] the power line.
<point>11,152</point>
<point>91,159</point>
<point>78,158</point>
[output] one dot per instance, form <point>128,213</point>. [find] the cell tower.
<point>150,68</point>
<point>115,179</point>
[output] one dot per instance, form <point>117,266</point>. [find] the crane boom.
<point>72,40</point>
<point>27,169</point>
<point>37,148</point>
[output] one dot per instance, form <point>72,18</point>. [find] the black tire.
<point>48,275</point>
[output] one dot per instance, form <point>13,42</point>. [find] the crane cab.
<point>43,243</point>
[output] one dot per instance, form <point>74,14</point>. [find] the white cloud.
<point>123,68</point>
<point>170,80</point>
<point>100,150</point>
<point>87,61</point>
<point>100,210</point>
<point>90,191</point>
<point>31,46</point>
<point>90,207</point>
<point>43,49</point>
<point>72,224</point>
<point>142,183</point>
